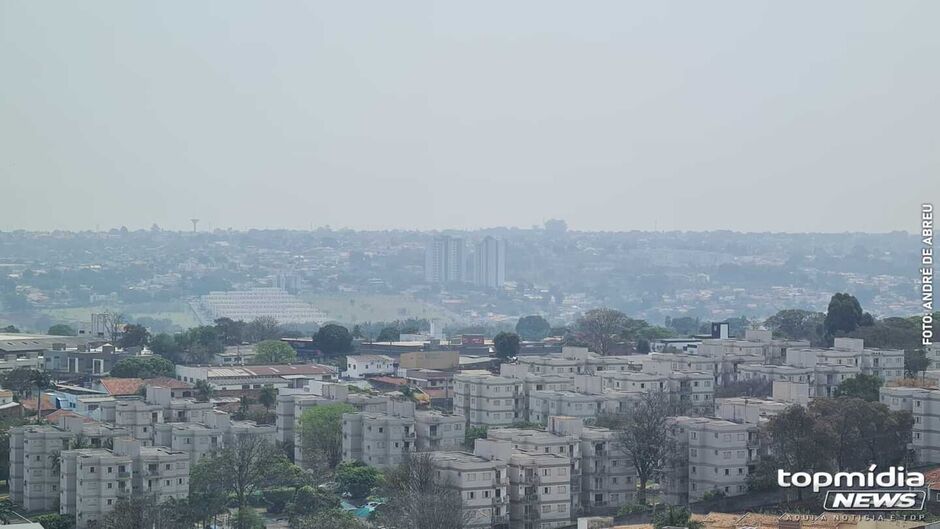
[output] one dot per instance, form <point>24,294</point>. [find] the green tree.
<point>472,434</point>
<point>388,334</point>
<point>55,521</point>
<point>203,390</point>
<point>261,329</point>
<point>357,479</point>
<point>134,335</point>
<point>11,329</point>
<point>268,397</point>
<point>506,345</point>
<point>61,329</point>
<point>208,490</point>
<point>643,346</point>
<point>674,516</point>
<point>798,442</point>
<point>843,315</point>
<point>274,352</point>
<point>231,332</point>
<point>533,328</point>
<point>143,367</point>
<point>136,511</point>
<point>860,386</point>
<point>19,380</point>
<point>321,434</point>
<point>331,519</point>
<point>601,329</point>
<point>642,437</point>
<point>333,339</point>
<point>7,511</point>
<point>418,499</point>
<point>795,324</point>
<point>915,362</point>
<point>309,500</point>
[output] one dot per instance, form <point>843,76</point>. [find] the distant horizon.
<point>442,231</point>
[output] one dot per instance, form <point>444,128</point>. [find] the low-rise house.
<point>361,366</point>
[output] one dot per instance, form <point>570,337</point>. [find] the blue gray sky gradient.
<point>614,115</point>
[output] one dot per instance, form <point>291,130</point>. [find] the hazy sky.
<point>746,115</point>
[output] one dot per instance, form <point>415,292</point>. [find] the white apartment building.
<point>539,485</point>
<point>34,476</point>
<point>924,404</point>
<point>549,442</point>
<point>608,478</point>
<point>483,484</point>
<point>576,361</point>
<point>748,410</point>
<point>92,480</point>
<point>543,404</point>
<point>360,366</point>
<point>292,402</point>
<point>488,400</point>
<point>436,431</point>
<point>377,439</point>
<point>720,455</point>
<point>196,440</point>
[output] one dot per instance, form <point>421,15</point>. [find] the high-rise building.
<point>489,265</point>
<point>445,260</point>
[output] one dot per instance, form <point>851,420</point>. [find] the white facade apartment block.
<point>721,454</point>
<point>162,472</point>
<point>548,442</point>
<point>543,404</point>
<point>674,482</point>
<point>91,482</point>
<point>483,484</point>
<point>540,490</point>
<point>576,361</point>
<point>377,439</point>
<point>608,478</point>
<point>748,410</point>
<point>34,480</point>
<point>667,363</point>
<point>924,404</point>
<point>487,400</point>
<point>359,366</point>
<point>435,431</point>
<point>139,417</point>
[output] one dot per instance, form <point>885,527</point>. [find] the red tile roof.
<point>121,386</point>
<point>932,478</point>
<point>168,382</point>
<point>48,404</point>
<point>54,416</point>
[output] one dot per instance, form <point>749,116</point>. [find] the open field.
<point>357,308</point>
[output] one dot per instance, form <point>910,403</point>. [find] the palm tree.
<point>41,380</point>
<point>203,390</point>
